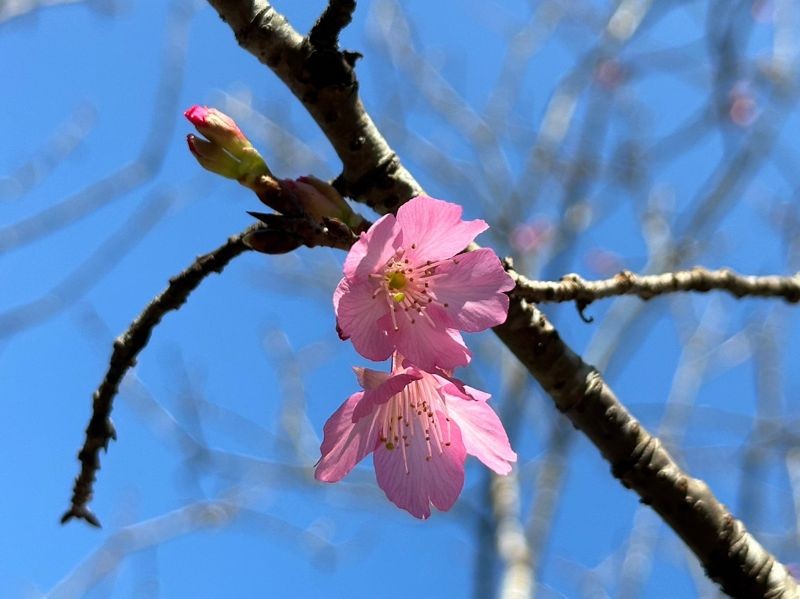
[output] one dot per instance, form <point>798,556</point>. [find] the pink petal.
<point>428,346</point>
<point>346,442</point>
<point>197,114</point>
<point>483,433</point>
<point>436,228</point>
<point>436,481</point>
<point>380,388</point>
<point>451,386</point>
<point>477,394</point>
<point>357,316</point>
<point>473,290</point>
<point>370,379</point>
<point>372,250</point>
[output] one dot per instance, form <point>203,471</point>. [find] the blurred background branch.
<point>595,137</point>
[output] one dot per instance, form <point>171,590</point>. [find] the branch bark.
<point>324,81</point>
<point>326,85</point>
<point>574,288</point>
<point>373,173</point>
<point>127,346</point>
<point>337,16</point>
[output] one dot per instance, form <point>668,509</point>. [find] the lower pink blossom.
<point>419,427</point>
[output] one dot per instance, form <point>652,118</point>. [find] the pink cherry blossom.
<point>419,427</point>
<point>407,288</point>
<point>226,150</point>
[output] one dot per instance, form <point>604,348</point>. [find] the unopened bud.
<point>225,137</point>
<point>212,157</point>
<point>321,200</point>
<point>218,127</point>
<point>271,241</point>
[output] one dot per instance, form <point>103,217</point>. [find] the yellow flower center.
<point>396,281</point>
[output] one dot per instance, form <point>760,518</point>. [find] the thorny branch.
<point>372,173</point>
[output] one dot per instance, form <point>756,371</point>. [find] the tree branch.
<point>325,32</point>
<point>126,347</point>
<point>326,85</point>
<point>574,288</point>
<point>373,173</point>
<point>729,554</point>
<point>276,234</point>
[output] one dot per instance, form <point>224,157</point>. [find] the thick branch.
<point>324,81</point>
<point>574,288</point>
<point>730,555</point>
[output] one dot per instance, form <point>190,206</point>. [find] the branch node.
<point>581,305</point>
<point>336,16</point>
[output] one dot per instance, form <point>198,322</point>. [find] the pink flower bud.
<point>271,241</point>
<point>321,200</point>
<point>227,152</point>
<point>219,128</point>
<point>212,157</point>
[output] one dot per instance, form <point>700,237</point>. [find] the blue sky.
<point>251,367</point>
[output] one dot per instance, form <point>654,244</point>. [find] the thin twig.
<point>325,32</point>
<point>100,430</point>
<point>128,345</point>
<point>574,288</point>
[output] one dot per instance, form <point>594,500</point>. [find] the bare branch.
<point>372,172</point>
<point>68,137</point>
<point>573,287</point>
<point>729,554</point>
<point>326,85</point>
<point>325,32</point>
<point>127,346</point>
